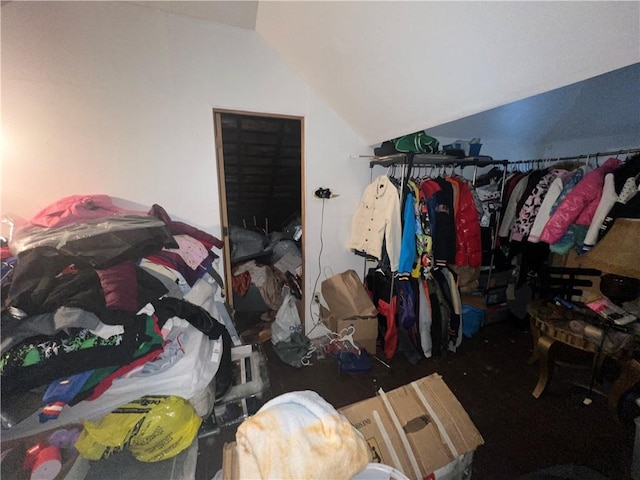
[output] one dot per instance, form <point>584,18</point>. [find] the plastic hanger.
<point>345,337</point>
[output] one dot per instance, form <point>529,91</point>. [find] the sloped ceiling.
<point>395,67</point>
<point>391,68</point>
<point>606,105</point>
<point>237,13</point>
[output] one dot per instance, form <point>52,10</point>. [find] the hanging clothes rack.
<point>424,160</point>
<point>407,161</point>
<point>577,157</point>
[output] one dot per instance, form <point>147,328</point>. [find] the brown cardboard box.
<point>437,431</point>
<point>348,303</point>
<point>423,420</point>
<point>365,329</point>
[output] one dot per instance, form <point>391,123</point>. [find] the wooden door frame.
<point>222,194</point>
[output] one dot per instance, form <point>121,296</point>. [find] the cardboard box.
<point>365,329</point>
<point>419,429</point>
<point>348,303</point>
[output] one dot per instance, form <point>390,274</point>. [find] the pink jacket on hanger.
<point>580,204</point>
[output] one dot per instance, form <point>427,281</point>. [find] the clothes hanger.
<point>345,335</point>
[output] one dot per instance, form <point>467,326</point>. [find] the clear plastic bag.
<point>287,320</point>
<point>26,235</point>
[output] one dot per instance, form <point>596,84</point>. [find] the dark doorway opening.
<point>260,171</point>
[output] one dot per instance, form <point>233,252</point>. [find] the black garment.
<point>378,285</point>
<point>224,375</point>
<point>631,209</point>
<point>385,148</point>
<point>444,240</point>
<point>532,257</point>
<point>45,279</point>
<point>50,358</point>
<point>16,330</point>
<point>406,346</point>
<point>168,307</point>
<point>440,313</point>
<point>494,174</point>
<point>149,287</point>
<point>630,168</point>
<point>454,318</point>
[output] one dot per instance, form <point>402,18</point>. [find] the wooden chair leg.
<point>547,361</point>
<point>535,335</point>
<point>629,376</point>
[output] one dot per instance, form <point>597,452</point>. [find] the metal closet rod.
<point>420,159</point>
<point>577,157</point>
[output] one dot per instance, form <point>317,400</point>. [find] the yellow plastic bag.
<point>153,428</point>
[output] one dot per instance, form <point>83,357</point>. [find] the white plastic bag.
<point>287,321</point>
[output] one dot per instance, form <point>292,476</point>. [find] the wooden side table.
<point>549,327</point>
<point>629,376</point>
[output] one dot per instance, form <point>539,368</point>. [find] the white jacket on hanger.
<point>510,212</point>
<point>544,212</point>
<point>377,218</point>
<point>607,200</point>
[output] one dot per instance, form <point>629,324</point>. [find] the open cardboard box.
<point>347,304</point>
<point>365,332</point>
<point>419,429</point>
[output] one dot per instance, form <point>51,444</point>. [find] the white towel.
<point>298,435</point>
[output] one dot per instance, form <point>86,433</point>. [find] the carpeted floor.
<point>561,472</point>
<point>525,438</point>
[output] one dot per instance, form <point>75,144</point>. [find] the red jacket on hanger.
<point>468,239</point>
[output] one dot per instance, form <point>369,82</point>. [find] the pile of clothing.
<point>101,306</point>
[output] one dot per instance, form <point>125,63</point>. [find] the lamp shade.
<point>618,252</point>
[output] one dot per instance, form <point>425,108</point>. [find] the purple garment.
<point>177,263</point>
<point>181,228</point>
<point>120,286</point>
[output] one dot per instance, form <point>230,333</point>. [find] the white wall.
<point>392,68</point>
<point>115,98</point>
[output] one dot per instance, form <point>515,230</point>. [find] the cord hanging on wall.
<point>324,193</point>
